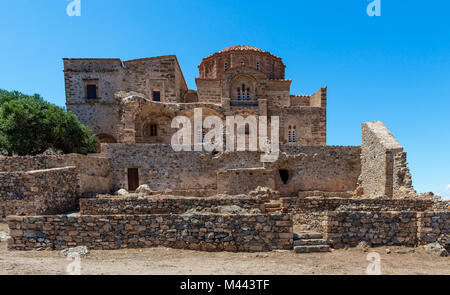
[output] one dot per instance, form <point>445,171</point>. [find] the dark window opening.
<point>156,96</point>
<point>247,129</point>
<point>91,91</point>
<point>153,130</point>
<point>284,174</point>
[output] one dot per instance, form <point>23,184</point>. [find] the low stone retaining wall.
<point>162,204</point>
<point>313,204</point>
<point>376,228</point>
<point>434,226</point>
<point>214,232</point>
<point>51,191</point>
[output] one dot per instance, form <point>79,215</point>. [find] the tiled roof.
<point>241,48</point>
<point>245,48</point>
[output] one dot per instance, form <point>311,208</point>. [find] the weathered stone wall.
<point>387,228</point>
<point>162,204</point>
<point>434,226</point>
<point>197,232</point>
<point>384,170</point>
<point>162,168</point>
<point>319,204</point>
<point>311,168</point>
<point>162,74</point>
<point>376,228</point>
<point>94,170</point>
<point>328,168</point>
<point>236,181</point>
<point>51,191</point>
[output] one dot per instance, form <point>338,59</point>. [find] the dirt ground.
<point>401,260</point>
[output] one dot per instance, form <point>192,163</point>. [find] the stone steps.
<point>310,242</point>
<point>272,207</point>
<point>312,249</point>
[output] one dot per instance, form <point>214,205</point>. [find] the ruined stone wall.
<point>384,169</point>
<point>51,191</point>
<point>376,228</point>
<point>387,228</point>
<point>311,168</point>
<point>162,204</point>
<point>162,168</point>
<point>94,170</point>
<point>319,204</point>
<point>197,232</point>
<point>434,226</point>
<point>328,168</point>
<point>237,181</point>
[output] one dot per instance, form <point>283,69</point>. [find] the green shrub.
<point>29,126</point>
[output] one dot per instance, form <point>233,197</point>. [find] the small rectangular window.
<point>153,130</point>
<point>91,91</point>
<point>156,96</point>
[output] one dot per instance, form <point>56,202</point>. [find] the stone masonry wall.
<point>197,232</point>
<point>162,204</point>
<point>384,170</point>
<point>51,191</point>
<point>318,204</point>
<point>311,168</point>
<point>434,226</point>
<point>376,228</point>
<point>327,168</point>
<point>94,171</point>
<point>236,181</point>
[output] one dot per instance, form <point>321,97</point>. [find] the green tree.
<point>29,125</point>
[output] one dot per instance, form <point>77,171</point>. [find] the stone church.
<point>130,106</point>
<point>135,101</point>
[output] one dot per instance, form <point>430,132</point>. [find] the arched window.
<point>225,66</point>
<point>257,66</point>
<point>243,92</point>
<point>150,130</point>
<point>291,134</point>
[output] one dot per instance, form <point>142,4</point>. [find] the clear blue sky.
<point>394,68</point>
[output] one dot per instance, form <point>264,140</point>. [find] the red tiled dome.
<point>241,48</point>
